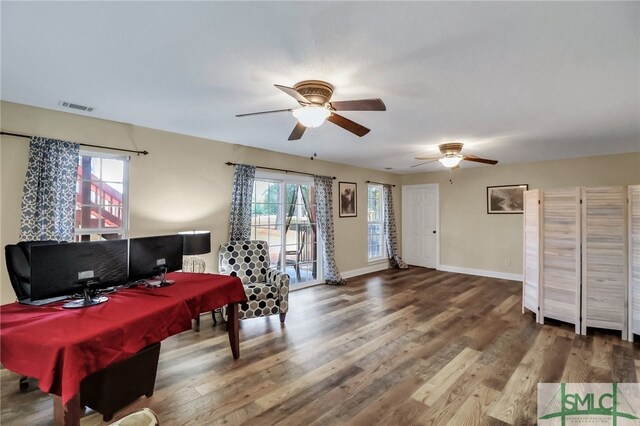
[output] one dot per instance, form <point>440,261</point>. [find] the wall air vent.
<point>71,105</point>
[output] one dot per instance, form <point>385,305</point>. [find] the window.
<point>375,238</point>
<point>101,197</point>
<point>283,214</point>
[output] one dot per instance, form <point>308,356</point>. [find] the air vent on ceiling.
<point>75,106</point>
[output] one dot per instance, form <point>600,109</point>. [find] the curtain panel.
<point>291,195</point>
<point>49,194</point>
<point>309,199</point>
<point>389,229</point>
<point>241,194</point>
<point>324,211</point>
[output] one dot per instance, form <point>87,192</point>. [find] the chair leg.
<point>213,315</point>
<point>196,324</point>
<point>223,313</point>
<point>282,316</point>
<point>24,384</point>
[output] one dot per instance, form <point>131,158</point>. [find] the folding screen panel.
<point>604,258</point>
<point>560,266</point>
<point>634,260</point>
<point>531,261</point>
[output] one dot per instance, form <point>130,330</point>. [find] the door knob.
<point>434,232</point>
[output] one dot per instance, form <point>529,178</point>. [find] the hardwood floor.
<point>413,347</point>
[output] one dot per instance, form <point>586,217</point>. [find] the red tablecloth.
<point>60,347</point>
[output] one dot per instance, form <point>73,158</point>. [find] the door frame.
<point>405,208</point>
<point>284,179</point>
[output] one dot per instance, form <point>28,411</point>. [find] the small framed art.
<point>348,205</point>
<point>506,199</point>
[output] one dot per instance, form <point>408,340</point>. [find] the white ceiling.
<point>514,81</point>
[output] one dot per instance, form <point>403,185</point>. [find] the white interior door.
<point>420,225</point>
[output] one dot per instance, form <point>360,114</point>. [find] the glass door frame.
<point>284,179</point>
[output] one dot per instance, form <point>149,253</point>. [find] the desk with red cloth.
<point>60,347</point>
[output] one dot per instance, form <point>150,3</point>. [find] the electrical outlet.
<point>508,262</point>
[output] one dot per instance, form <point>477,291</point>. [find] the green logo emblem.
<point>582,402</point>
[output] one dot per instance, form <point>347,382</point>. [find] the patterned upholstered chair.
<point>266,289</point>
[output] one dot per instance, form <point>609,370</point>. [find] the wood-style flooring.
<point>412,347</point>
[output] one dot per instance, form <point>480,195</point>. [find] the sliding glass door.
<point>283,214</point>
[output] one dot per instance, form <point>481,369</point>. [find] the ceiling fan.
<point>315,107</point>
<point>451,156</point>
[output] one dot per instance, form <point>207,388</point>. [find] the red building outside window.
<point>101,207</point>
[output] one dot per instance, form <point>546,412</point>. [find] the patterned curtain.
<point>291,194</point>
<point>389,229</point>
<point>308,200</point>
<point>49,194</point>
<point>324,211</point>
<point>241,194</point>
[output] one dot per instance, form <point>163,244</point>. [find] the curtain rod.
<point>229,163</point>
<point>82,144</point>
<point>380,183</point>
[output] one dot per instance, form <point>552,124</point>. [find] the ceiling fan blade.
<point>359,105</point>
<point>297,132</point>
<point>263,112</point>
<point>294,94</point>
<point>422,164</point>
<point>427,158</point>
<point>479,160</point>
<point>349,125</point>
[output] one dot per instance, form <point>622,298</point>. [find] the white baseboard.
<point>481,272</point>
<point>361,271</point>
<point>348,274</point>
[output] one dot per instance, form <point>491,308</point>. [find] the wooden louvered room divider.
<point>531,260</point>
<point>583,267</point>
<point>560,266</point>
<point>634,260</point>
<point>604,258</point>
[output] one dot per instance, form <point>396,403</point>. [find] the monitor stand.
<point>89,299</point>
<point>42,302</point>
<point>159,281</point>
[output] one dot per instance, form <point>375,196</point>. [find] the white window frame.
<point>286,178</point>
<point>383,251</point>
<point>124,230</point>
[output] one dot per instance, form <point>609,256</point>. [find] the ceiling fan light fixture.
<point>450,160</point>
<point>311,116</point>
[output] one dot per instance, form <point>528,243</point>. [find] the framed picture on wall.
<point>348,199</point>
<point>506,199</point>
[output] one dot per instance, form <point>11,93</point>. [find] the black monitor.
<point>65,269</point>
<point>153,256</point>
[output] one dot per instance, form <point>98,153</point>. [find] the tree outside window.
<point>283,214</point>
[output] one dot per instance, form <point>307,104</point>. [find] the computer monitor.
<point>65,269</point>
<point>153,256</point>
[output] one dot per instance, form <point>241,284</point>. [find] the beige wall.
<point>471,238</point>
<point>182,184</point>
